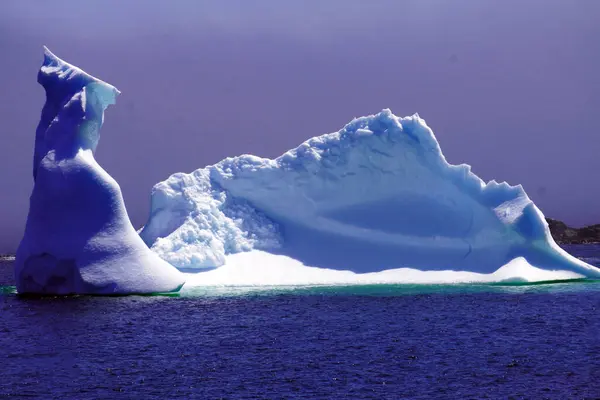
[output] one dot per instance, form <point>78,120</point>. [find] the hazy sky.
<point>510,87</point>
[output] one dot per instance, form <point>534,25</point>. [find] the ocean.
<point>479,341</point>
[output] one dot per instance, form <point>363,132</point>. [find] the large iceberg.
<point>78,238</point>
<point>377,195</point>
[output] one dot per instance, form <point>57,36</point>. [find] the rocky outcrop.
<point>564,234</point>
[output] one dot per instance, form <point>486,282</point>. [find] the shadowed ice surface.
<point>78,237</point>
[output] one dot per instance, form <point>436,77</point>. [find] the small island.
<point>564,234</point>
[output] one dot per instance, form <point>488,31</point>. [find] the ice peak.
<point>50,57</point>
<point>55,69</point>
<point>79,99</point>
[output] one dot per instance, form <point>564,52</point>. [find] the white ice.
<point>258,269</point>
<point>378,195</point>
<point>78,238</point>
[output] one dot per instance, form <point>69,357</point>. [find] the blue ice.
<point>78,238</point>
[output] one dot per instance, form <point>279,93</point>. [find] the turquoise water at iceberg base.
<point>510,340</point>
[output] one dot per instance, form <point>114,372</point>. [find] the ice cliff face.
<point>78,238</point>
<point>376,195</point>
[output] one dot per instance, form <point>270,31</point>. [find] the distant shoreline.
<point>564,234</point>
<point>561,232</point>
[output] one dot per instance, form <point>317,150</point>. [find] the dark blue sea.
<point>514,341</point>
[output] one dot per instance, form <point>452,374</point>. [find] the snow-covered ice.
<point>258,268</point>
<point>376,196</point>
<point>78,238</point>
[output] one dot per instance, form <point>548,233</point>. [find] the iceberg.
<point>378,195</point>
<point>78,237</point>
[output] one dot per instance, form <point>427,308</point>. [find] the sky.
<point>510,87</point>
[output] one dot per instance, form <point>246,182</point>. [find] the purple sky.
<point>510,87</point>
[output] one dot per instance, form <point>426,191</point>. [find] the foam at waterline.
<point>258,268</point>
